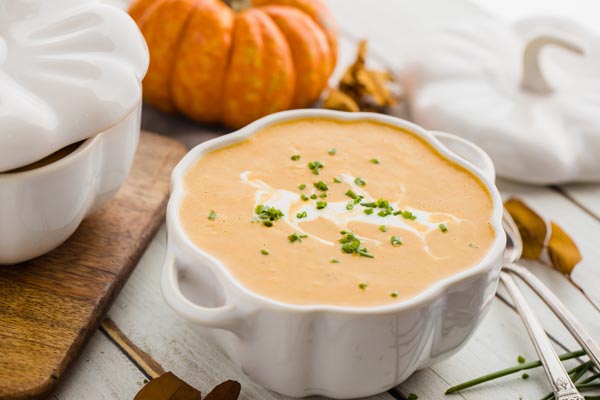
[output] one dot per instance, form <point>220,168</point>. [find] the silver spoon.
<point>514,247</point>
<point>562,385</point>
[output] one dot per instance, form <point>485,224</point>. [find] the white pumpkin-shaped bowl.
<point>70,72</point>
<point>334,351</point>
<point>527,93</point>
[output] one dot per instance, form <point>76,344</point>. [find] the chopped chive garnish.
<point>409,215</point>
<point>321,205</point>
<point>383,228</point>
<point>334,261</point>
<point>443,228</point>
<point>313,196</point>
<point>321,185</point>
<point>360,181</point>
<point>394,294</point>
<point>302,187</point>
<point>315,166</point>
<point>264,252</point>
<point>295,157</point>
<point>362,286</point>
<point>397,212</point>
<point>381,203</point>
<point>412,396</point>
<point>267,214</point>
<point>337,180</point>
<point>351,244</point>
<point>323,195</point>
<point>525,376</point>
<point>302,214</point>
<point>370,205</point>
<point>395,241</point>
<point>364,252</point>
<point>368,211</point>
<point>351,194</point>
<point>521,359</point>
<point>294,237</point>
<point>350,205</point>
<point>374,161</point>
<point>212,215</point>
<point>304,197</point>
<point>332,151</point>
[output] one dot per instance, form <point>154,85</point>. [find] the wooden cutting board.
<point>50,307</point>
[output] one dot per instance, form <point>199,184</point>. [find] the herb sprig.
<point>511,370</point>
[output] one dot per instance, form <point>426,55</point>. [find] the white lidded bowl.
<point>70,72</point>
<point>42,207</point>
<point>339,352</point>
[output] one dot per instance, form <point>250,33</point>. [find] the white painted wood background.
<point>103,372</point>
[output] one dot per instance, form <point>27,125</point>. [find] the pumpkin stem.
<point>238,5</point>
<point>533,79</point>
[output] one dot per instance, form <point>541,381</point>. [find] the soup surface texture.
<point>318,211</point>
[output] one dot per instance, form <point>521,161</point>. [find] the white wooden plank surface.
<point>141,313</point>
<point>586,195</point>
<point>102,373</point>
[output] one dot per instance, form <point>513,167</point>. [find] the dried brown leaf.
<point>362,89</point>
<point>375,87</point>
<point>532,227</point>
<point>168,387</point>
<point>562,250</point>
<point>228,390</point>
<point>338,100</point>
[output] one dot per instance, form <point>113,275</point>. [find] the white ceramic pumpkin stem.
<point>533,79</point>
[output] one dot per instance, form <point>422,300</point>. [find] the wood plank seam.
<point>573,200</point>
<point>142,360</point>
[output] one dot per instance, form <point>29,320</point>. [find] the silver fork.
<point>562,385</point>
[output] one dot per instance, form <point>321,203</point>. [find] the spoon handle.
<point>559,309</point>
<point>562,385</point>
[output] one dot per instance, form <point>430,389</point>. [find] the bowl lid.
<point>69,69</point>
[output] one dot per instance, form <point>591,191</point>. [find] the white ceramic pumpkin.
<point>69,69</point>
<point>527,93</point>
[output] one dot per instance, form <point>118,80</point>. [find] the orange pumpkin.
<point>214,64</point>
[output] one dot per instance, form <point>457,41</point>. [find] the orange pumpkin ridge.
<point>162,30</point>
<point>202,61</point>
<point>320,13</point>
<point>141,9</point>
<point>309,48</point>
<point>260,78</point>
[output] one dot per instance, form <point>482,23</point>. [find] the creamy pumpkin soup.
<point>319,211</point>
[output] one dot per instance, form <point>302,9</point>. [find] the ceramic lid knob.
<point>69,69</point>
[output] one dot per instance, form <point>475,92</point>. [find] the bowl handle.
<point>469,152</point>
<point>223,317</point>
